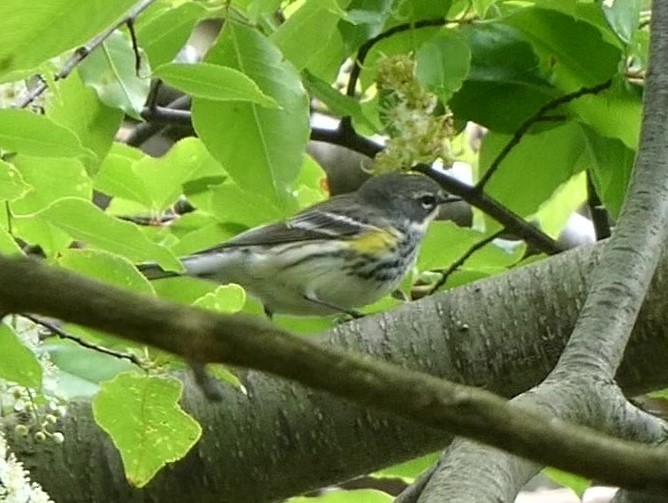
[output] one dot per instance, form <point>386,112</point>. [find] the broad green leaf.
<point>338,103</point>
<point>28,133</point>
<point>419,10</point>
<point>554,213</point>
<point>80,370</point>
<point>611,166</point>
<point>505,84</point>
<point>85,222</point>
<point>575,482</point>
<point>443,63</point>
<point>18,363</point>
<point>117,178</point>
<point>31,35</point>
<point>110,70</point>
<point>446,242</point>
<point>306,33</point>
<point>615,113</point>
<point>142,416</point>
<point>538,164</point>
<point>623,16</point>
<point>51,179</point>
<point>224,299</point>
<point>580,59</point>
<point>8,244</point>
<point>183,290</point>
<point>162,36</point>
<point>204,236</point>
<point>163,178</point>
<point>213,82</point>
<point>230,203</point>
<point>365,19</point>
<point>262,148</point>
<point>77,108</point>
<point>342,496</point>
<point>12,185</point>
<point>106,267</point>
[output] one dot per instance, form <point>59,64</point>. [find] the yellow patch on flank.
<point>373,241</point>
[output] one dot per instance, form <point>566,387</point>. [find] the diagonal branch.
<point>83,52</point>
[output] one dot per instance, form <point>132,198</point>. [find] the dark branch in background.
<point>364,49</point>
<point>445,274</point>
<point>597,211</point>
<point>83,52</point>
<point>346,136</point>
<point>130,23</point>
<point>537,117</point>
<point>56,330</point>
<point>166,116</point>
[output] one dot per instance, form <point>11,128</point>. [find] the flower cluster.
<point>419,132</point>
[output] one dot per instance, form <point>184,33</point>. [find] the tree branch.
<point>83,52</point>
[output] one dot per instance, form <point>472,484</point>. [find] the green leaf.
<point>623,16</point>
<point>30,35</point>
<point>117,178</point>
<point>306,33</point>
<point>85,222</point>
<point>31,134</point>
<point>106,267</point>
<point>338,103</point>
<point>163,178</point>
<point>446,242</point>
<point>262,148</point>
<point>110,71</point>
<point>18,363</point>
<point>409,470</point>
<point>503,64</point>
<point>213,82</point>
<point>51,179</point>
<point>615,113</point>
<point>341,496</point>
<point>77,108</point>
<point>554,213</point>
<point>162,36</point>
<point>570,480</point>
<point>611,166</point>
<point>8,244</point>
<point>142,416</point>
<point>580,59</point>
<point>443,63</point>
<point>224,299</point>
<point>365,19</point>
<point>528,167</point>
<point>230,203</point>
<point>12,185</point>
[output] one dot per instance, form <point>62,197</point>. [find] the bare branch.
<point>83,52</point>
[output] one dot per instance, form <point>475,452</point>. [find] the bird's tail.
<point>216,266</point>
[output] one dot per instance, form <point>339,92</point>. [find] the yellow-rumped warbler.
<point>332,257</point>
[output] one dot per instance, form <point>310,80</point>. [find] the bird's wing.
<point>326,220</point>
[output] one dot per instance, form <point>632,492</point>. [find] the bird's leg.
<point>350,312</point>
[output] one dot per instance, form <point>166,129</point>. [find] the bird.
<point>332,257</point>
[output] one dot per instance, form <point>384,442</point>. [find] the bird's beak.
<point>449,198</point>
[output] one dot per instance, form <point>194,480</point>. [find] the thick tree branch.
<point>83,52</point>
<point>502,334</point>
<point>28,286</point>
<point>581,387</point>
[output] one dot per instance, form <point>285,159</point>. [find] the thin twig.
<point>83,52</point>
<point>527,124</point>
<point>164,115</point>
<point>599,215</point>
<point>445,274</point>
<point>130,23</point>
<point>364,49</point>
<point>55,329</point>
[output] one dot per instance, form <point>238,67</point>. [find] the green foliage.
<point>354,496</point>
<point>19,364</point>
<point>142,416</point>
<point>72,189</point>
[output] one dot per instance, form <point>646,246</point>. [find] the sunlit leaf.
<point>18,363</point>
<point>142,416</point>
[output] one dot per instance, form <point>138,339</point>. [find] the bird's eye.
<point>428,201</point>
